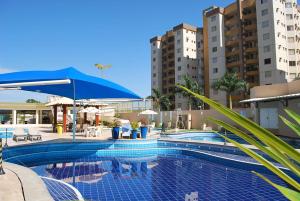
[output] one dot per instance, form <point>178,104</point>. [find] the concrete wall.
<point>275,89</point>
<point>199,117</point>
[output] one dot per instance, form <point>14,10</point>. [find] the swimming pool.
<point>154,171</point>
<point>204,136</point>
<point>214,137</point>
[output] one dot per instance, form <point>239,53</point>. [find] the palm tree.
<point>160,101</point>
<point>230,83</point>
<point>192,85</point>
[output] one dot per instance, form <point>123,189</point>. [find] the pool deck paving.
<point>20,183</point>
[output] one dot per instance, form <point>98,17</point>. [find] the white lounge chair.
<point>32,136</point>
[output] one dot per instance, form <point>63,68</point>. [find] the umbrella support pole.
<point>74,120</point>
<point>74,112</point>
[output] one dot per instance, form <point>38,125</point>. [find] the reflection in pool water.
<point>158,177</point>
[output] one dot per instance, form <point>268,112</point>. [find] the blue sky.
<point>54,34</point>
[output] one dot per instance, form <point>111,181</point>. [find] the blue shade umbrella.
<point>67,82</point>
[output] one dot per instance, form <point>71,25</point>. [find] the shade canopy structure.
<point>67,82</point>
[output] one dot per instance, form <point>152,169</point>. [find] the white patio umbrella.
<point>148,113</point>
<point>89,110</point>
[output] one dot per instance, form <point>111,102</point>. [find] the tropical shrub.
<point>267,142</point>
<point>134,125</point>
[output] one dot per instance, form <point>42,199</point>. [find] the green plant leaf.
<point>288,193</point>
<point>272,152</point>
<point>292,126</point>
<point>265,162</point>
<point>293,115</point>
<point>262,134</point>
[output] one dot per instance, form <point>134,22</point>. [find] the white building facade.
<point>181,56</point>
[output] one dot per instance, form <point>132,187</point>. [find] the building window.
<point>265,24</point>
<point>154,51</point>
<point>291,39</point>
<point>264,12</point>
<point>179,68</point>
<point>213,18</point>
<point>292,63</point>
<point>215,70</point>
<point>215,59</point>
<point>267,48</point>
<point>179,77</point>
<point>154,67</point>
<point>263,1</point>
<point>213,28</point>
<point>268,74</point>
<point>266,36</point>
<point>178,50</point>
<point>154,59</point>
<point>187,39</point>
<point>179,105</point>
<point>154,74</point>
<point>154,83</point>
<point>153,44</point>
<point>289,16</point>
<point>214,49</point>
<point>290,28</point>
<point>179,59</point>
<point>291,52</point>
<point>288,5</point>
<point>178,33</point>
<point>214,39</point>
<point>178,41</point>
<point>267,61</point>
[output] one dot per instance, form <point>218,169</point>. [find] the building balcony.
<point>231,53</point>
<point>232,31</point>
<point>251,27</point>
<point>251,49</point>
<point>231,21</point>
<point>249,16</point>
<point>251,61</point>
<point>232,42</point>
<point>233,64</point>
<point>252,73</point>
<point>250,38</point>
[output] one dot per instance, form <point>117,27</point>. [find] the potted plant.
<point>144,128</point>
<point>134,126</point>
<point>116,129</point>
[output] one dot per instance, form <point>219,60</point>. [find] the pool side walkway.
<point>21,183</point>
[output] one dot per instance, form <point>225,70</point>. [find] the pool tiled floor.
<point>173,177</point>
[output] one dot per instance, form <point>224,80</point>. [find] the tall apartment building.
<point>258,39</point>
<point>177,53</point>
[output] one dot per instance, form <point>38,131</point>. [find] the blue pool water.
<point>157,177</point>
<point>214,137</point>
<point>143,170</point>
<point>205,136</point>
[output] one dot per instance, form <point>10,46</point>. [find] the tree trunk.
<point>230,102</point>
<point>1,160</point>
